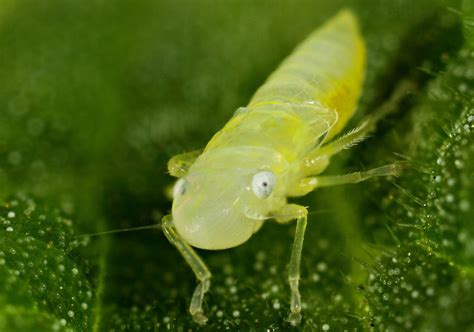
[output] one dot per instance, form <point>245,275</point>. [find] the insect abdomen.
<point>327,69</point>
<point>315,89</point>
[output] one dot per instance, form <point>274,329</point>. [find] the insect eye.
<point>263,184</point>
<point>179,188</point>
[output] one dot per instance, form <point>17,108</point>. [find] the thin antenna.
<point>121,230</point>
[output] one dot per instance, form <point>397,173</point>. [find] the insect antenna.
<point>123,230</point>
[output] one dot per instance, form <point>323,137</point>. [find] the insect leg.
<point>308,184</point>
<point>298,212</point>
<point>346,141</point>
<point>178,166</point>
<point>318,159</point>
<point>197,265</point>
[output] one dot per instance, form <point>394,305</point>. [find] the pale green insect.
<point>270,150</point>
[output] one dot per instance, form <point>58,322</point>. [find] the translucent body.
<point>308,99</point>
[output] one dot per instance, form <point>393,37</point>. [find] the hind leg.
<point>308,184</point>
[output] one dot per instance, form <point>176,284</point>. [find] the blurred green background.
<point>96,96</point>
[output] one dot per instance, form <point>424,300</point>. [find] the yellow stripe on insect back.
<point>326,69</point>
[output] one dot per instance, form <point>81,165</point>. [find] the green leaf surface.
<point>96,96</point>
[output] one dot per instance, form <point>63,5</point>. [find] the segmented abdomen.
<point>326,69</point>
<point>313,92</point>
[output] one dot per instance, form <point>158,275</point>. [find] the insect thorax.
<point>292,130</point>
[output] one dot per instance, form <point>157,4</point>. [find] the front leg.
<point>287,213</point>
<point>197,265</point>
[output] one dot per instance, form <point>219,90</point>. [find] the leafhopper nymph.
<point>274,148</point>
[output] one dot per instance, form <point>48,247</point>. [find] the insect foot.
<point>294,317</point>
<point>196,302</point>
<point>199,318</point>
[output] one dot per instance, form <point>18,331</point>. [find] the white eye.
<point>263,183</point>
<point>179,188</point>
